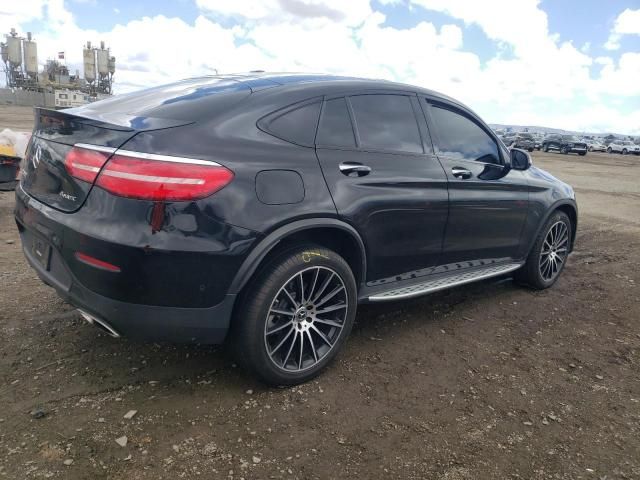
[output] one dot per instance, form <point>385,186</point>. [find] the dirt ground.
<point>16,117</point>
<point>487,381</point>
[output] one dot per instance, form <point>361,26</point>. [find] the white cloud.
<point>627,23</point>
<point>351,12</point>
<point>18,12</point>
<point>541,79</point>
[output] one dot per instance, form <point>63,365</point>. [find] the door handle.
<point>349,168</point>
<point>462,173</point>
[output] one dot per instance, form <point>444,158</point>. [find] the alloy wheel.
<point>554,251</point>
<point>306,319</point>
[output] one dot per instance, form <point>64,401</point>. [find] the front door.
<point>488,201</point>
<point>384,180</point>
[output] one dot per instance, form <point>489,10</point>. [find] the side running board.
<point>443,282</point>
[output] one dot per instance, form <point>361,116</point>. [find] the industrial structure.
<point>54,86</point>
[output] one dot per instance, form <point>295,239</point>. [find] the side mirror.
<point>520,160</point>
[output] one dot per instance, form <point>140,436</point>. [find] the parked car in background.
<point>564,144</point>
<point>537,142</point>
<point>595,146</point>
<point>266,207</point>
<point>524,141</point>
<point>624,147</point>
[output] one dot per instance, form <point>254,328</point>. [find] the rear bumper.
<point>143,322</point>
<point>177,294</point>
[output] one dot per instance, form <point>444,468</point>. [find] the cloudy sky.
<point>572,64</point>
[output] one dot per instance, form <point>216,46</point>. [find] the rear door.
<point>376,156</point>
<point>488,201</point>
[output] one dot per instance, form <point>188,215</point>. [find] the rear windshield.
<point>185,99</point>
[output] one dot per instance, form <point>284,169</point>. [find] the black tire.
<point>624,151</point>
<point>609,150</point>
<point>564,150</point>
<point>582,154</point>
<point>530,149</point>
<point>530,273</point>
<point>255,313</point>
<point>591,149</point>
<point>545,147</point>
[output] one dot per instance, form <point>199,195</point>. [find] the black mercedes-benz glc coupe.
<point>266,207</point>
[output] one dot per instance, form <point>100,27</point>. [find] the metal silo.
<point>30,56</point>
<point>112,65</point>
<point>89,61</point>
<point>103,62</point>
<point>14,50</point>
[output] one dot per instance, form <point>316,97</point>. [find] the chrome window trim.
<point>147,156</point>
<point>166,158</point>
<point>97,148</point>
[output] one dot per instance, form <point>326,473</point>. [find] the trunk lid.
<point>44,173</point>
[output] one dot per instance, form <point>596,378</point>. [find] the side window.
<point>386,122</point>
<point>295,126</point>
<point>335,128</point>
<point>463,139</point>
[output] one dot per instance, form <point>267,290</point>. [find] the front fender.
<point>558,205</point>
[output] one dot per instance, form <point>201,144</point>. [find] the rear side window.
<point>461,138</point>
<point>295,126</point>
<point>386,122</point>
<point>335,128</point>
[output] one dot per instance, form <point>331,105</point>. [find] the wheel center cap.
<point>301,314</point>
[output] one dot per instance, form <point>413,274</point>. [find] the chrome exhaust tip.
<point>93,320</point>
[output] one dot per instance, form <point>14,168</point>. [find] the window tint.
<point>296,126</point>
<point>335,125</point>
<point>386,122</point>
<point>460,138</point>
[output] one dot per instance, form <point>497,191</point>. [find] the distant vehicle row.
<point>567,144</point>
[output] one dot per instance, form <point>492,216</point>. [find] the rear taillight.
<point>160,177</point>
<point>84,162</point>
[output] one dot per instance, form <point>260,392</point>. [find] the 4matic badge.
<point>66,196</point>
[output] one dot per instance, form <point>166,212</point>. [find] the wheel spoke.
<point>333,323</point>
<point>328,297</point>
<point>282,312</point>
<point>322,335</point>
<point>295,304</point>
<point>544,260</point>
<point>301,288</point>
<point>313,347</point>
<point>282,341</point>
<point>301,350</point>
<point>330,309</point>
<point>293,342</point>
<point>313,284</point>
<point>323,287</point>
<point>277,329</point>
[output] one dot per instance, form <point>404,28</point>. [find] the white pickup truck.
<point>624,147</point>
